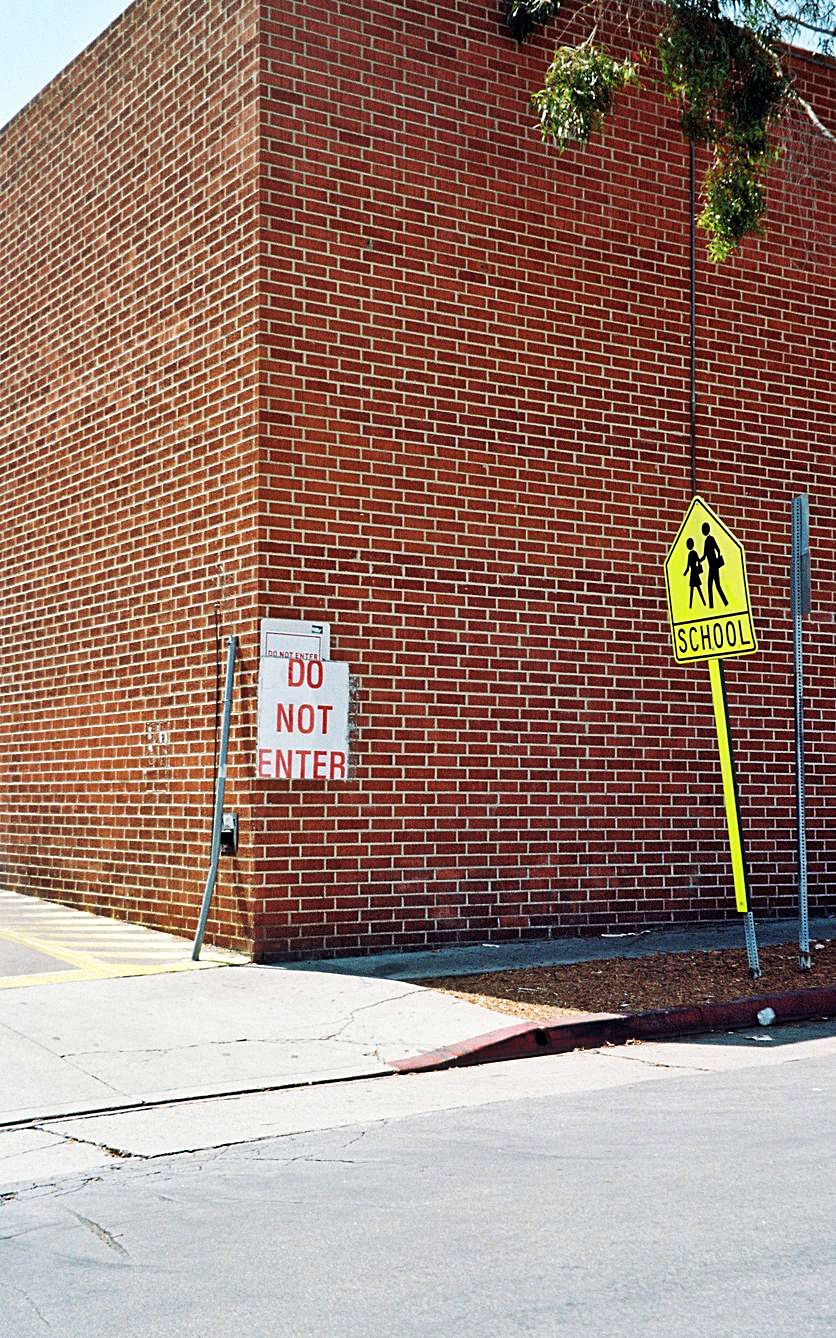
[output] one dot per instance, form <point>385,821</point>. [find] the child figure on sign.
<point>693,570</point>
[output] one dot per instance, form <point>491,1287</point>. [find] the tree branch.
<point>808,111</point>
<point>795,20</point>
<point>793,92</point>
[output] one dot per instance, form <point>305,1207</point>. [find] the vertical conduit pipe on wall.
<point>232,649</point>
<point>692,205</point>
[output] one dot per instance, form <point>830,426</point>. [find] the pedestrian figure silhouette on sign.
<point>714,560</point>
<point>693,570</point>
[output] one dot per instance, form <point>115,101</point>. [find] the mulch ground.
<point>622,984</point>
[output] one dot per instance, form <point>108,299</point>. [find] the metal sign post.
<point>711,619</point>
<point>217,824</point>
<point>801,604</point>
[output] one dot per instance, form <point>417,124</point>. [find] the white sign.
<point>281,638</point>
<point>302,719</point>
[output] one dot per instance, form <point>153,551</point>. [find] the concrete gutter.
<point>589,1032</point>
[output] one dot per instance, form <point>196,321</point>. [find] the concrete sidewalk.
<point>71,1047</point>
<point>111,1043</point>
<point>107,1044</point>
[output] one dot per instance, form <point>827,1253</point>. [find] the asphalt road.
<point>697,1206</point>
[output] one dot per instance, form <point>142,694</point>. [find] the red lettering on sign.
<point>302,718</point>
<point>284,764</point>
<point>310,764</point>
<point>300,672</point>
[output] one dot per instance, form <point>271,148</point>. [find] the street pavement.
<point>683,1188</point>
<point>123,1048</point>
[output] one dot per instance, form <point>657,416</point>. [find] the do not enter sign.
<point>302,720</point>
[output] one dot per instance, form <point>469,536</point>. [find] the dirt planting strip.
<point>634,985</point>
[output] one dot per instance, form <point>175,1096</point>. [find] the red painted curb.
<point>587,1033</point>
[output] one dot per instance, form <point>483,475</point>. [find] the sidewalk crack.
<point>617,1052</point>
<point>87,1142</point>
<point>106,1237</point>
<point>365,1008</point>
<point>28,1299</point>
<point>31,1152</point>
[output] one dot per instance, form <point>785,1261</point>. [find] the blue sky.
<point>39,37</point>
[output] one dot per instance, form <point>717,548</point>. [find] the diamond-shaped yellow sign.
<point>708,594</point>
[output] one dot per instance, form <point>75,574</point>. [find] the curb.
<point>588,1033</point>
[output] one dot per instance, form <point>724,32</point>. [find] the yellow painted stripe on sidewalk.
<point>114,972</point>
<point>94,947</point>
<point>91,967</point>
<point>55,935</point>
<point>43,978</point>
<point>118,958</point>
<point>84,961</point>
<point>52,935</point>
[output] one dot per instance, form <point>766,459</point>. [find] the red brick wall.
<point>475,455</point>
<point>302,320</point>
<point>129,395</point>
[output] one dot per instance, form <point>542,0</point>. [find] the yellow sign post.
<point>711,619</point>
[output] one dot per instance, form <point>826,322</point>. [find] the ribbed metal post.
<point>751,945</point>
<point>801,602</point>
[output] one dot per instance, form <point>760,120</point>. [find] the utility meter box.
<point>229,834</point>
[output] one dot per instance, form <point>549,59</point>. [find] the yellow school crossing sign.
<point>711,619</point>
<point>708,594</point>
